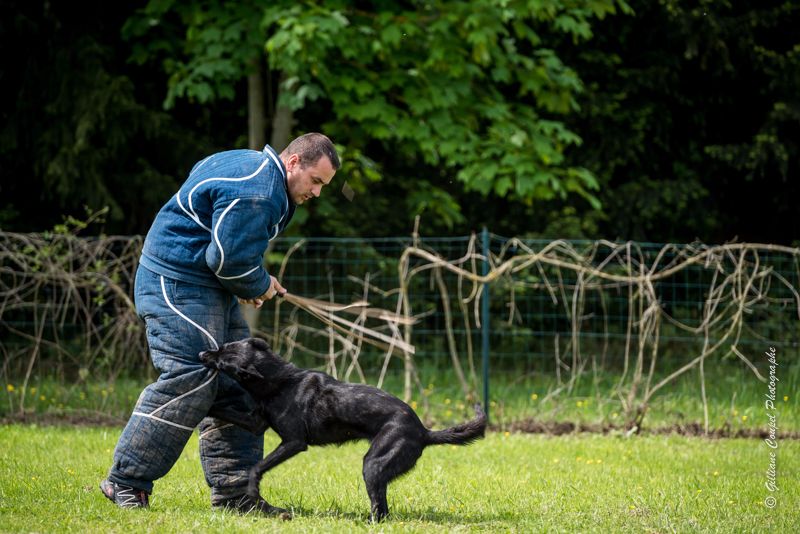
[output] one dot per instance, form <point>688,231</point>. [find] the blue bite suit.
<point>204,249</point>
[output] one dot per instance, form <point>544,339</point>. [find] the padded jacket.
<point>215,230</point>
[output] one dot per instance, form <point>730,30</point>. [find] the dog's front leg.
<point>282,452</point>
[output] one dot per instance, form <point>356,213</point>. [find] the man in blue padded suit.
<point>203,257</point>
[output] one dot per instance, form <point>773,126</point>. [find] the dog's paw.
<point>378,516</point>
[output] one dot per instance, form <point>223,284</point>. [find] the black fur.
<point>312,408</point>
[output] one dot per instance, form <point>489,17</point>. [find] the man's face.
<point>307,182</point>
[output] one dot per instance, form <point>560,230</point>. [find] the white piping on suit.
<point>196,218</point>
<point>152,415</point>
<point>222,251</point>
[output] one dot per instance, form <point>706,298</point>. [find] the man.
<point>203,256</point>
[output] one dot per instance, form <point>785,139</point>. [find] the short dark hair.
<point>311,147</point>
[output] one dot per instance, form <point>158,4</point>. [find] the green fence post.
<point>485,323</point>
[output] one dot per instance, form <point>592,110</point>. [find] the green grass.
<point>734,395</point>
<point>735,398</point>
<point>507,482</point>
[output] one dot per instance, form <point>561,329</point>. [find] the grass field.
<point>505,483</point>
<point>735,399</point>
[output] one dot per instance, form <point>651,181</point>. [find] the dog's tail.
<point>462,434</point>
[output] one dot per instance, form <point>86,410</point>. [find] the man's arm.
<point>240,232</point>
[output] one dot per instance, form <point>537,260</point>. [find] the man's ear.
<point>250,371</point>
<point>292,162</point>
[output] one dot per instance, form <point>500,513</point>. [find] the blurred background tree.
<point>690,120</point>
<point>655,121</point>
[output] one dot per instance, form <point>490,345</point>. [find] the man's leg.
<point>181,322</point>
<point>228,450</point>
<point>161,424</point>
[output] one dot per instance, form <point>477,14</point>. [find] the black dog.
<point>312,408</point>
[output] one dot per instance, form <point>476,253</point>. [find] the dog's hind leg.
<point>391,454</point>
<point>282,452</point>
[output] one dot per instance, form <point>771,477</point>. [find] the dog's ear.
<point>259,344</point>
<point>250,371</point>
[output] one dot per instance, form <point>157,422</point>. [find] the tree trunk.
<point>281,123</point>
<point>256,121</point>
<point>256,135</point>
<point>281,131</point>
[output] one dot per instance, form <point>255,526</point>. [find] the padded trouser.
<point>182,320</point>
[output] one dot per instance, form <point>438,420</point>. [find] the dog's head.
<point>248,360</point>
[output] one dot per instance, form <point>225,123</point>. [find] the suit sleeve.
<point>240,232</point>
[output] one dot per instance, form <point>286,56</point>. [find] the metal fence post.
<point>485,322</point>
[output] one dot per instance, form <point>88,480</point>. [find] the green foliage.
<point>206,48</point>
<point>655,121</point>
<point>726,38</point>
<point>471,89</point>
<point>93,119</point>
<point>691,118</point>
<point>73,225</point>
<point>468,87</point>
<point>78,134</point>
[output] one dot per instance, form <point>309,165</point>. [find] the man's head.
<point>311,161</point>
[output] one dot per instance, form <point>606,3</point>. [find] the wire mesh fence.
<point>486,306</point>
<point>585,307</point>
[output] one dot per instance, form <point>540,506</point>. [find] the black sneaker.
<point>125,496</point>
<point>244,504</point>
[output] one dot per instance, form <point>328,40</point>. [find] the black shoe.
<point>125,496</point>
<point>244,504</point>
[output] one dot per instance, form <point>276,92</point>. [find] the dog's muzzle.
<point>209,358</point>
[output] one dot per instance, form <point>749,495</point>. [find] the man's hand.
<point>275,288</point>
